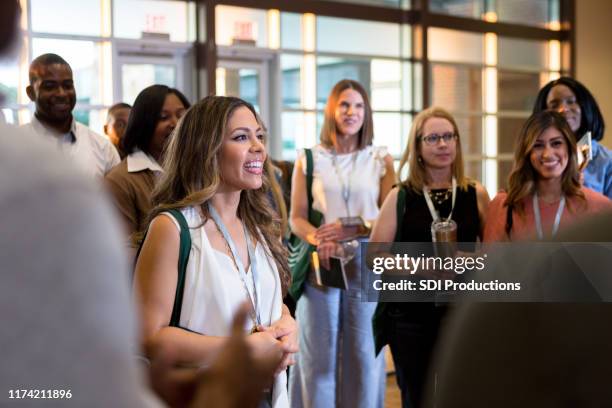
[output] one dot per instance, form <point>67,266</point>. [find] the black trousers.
<point>413,333</point>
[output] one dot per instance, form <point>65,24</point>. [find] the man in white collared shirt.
<point>52,90</point>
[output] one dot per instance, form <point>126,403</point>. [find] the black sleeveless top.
<point>416,227</point>
<point>416,222</point>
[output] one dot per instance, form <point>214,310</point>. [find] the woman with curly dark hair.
<point>579,108</point>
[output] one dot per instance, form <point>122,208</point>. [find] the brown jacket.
<point>132,195</point>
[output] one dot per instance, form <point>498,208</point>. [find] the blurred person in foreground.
<point>544,355</point>
<point>68,324</point>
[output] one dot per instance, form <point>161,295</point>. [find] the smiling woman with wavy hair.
<point>214,182</point>
<point>544,191</point>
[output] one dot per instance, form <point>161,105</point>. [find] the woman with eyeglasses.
<point>335,365</point>
<point>435,190</point>
<point>579,108</point>
<point>544,192</point>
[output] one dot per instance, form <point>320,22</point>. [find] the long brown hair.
<point>329,129</point>
<point>417,174</point>
<point>191,175</point>
<point>522,179</point>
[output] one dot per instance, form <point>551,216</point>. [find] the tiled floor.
<point>392,395</point>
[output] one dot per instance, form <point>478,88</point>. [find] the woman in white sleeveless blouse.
<point>214,177</point>
<point>336,364</point>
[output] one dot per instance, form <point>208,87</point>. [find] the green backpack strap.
<point>314,217</point>
<point>184,249</point>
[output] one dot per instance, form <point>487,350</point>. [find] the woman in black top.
<point>435,163</point>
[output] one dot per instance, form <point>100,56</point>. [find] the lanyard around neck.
<point>538,218</point>
<point>253,298</point>
<point>346,187</point>
<point>432,210</point>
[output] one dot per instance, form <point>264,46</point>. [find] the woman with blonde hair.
<point>212,194</point>
<point>350,179</point>
<point>544,192</point>
<point>436,190</point>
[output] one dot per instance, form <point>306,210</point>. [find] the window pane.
<point>381,79</point>
<point>84,59</point>
<point>133,17</point>
<point>298,130</point>
<point>9,82</point>
<point>365,37</point>
<point>504,167</point>
<point>470,129</point>
<point>70,17</point>
<point>332,69</point>
<point>461,8</point>
<point>407,86</point>
<point>239,25</point>
<point>136,77</point>
<point>291,31</point>
<point>455,46</point>
<point>388,132</point>
<point>385,86</point>
<point>291,66</point>
<point>528,12</point>
<point>456,88</point>
<point>473,169</point>
<point>94,119</point>
<point>508,131</point>
<point>517,91</point>
<point>527,54</point>
<point>9,116</point>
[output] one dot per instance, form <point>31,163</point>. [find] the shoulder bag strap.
<point>399,211</point>
<point>184,249</point>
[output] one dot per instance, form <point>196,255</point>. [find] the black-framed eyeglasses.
<point>434,138</point>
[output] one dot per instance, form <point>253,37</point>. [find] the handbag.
<point>300,250</point>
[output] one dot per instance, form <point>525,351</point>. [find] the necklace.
<point>440,196</point>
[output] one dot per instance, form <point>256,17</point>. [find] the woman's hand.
<point>285,330</point>
<point>334,232</point>
<point>325,250</point>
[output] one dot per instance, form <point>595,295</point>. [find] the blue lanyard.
<point>253,298</point>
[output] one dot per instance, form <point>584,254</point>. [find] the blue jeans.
<point>336,365</point>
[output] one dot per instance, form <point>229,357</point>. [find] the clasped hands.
<point>281,336</point>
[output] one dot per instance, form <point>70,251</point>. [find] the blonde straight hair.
<point>417,174</point>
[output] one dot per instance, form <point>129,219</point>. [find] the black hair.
<point>591,118</point>
<point>45,59</point>
<point>116,107</point>
<point>145,115</point>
